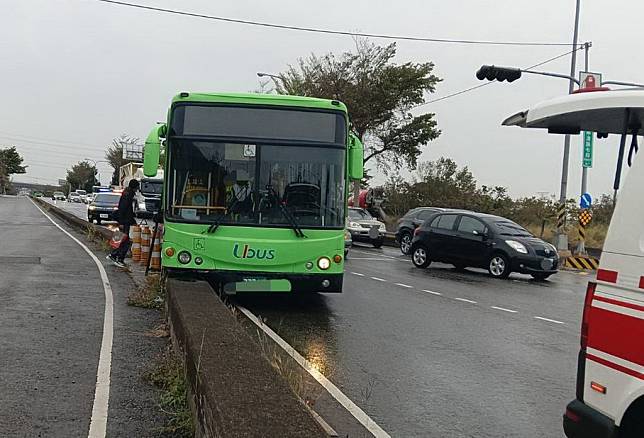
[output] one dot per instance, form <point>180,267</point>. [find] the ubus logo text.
<point>246,252</point>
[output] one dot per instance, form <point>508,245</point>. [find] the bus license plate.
<point>104,216</point>
<point>258,285</point>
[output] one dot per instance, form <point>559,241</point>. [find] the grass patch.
<point>169,376</point>
<point>149,296</point>
<point>595,234</point>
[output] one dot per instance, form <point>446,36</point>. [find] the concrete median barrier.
<point>235,391</point>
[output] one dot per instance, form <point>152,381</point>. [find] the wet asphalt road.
<point>438,353</point>
<point>51,324</point>
<point>78,209</point>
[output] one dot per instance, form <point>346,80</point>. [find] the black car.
<point>103,207</point>
<point>409,222</point>
<point>467,239</point>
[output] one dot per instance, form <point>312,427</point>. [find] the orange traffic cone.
<point>136,243</point>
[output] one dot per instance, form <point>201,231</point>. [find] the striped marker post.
<point>561,217</point>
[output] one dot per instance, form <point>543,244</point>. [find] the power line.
<point>457,93</point>
<point>333,32</point>
<point>49,142</point>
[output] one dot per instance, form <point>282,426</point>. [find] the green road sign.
<point>588,149</point>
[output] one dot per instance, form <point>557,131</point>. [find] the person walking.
<point>125,216</point>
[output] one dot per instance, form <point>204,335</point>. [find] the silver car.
<point>365,228</point>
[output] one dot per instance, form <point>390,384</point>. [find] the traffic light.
<point>501,74</point>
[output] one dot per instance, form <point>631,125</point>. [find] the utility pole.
<point>562,237</point>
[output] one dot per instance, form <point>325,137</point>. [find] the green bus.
<point>255,190</point>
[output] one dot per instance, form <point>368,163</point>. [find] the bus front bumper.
<point>252,281</point>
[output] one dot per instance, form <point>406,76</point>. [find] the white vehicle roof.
<point>604,112</point>
<point>599,111</point>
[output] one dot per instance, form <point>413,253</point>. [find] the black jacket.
<point>126,207</point>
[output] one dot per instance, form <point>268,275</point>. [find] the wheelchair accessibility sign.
<point>198,244</point>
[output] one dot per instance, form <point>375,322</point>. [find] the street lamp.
<point>272,76</point>
<point>96,167</point>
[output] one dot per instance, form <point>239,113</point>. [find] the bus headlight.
<point>184,257</point>
<point>324,263</point>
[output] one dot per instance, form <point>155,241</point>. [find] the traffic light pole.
<point>581,245</point>
<point>584,170</point>
<point>562,237</point>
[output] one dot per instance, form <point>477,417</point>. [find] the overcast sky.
<point>76,73</point>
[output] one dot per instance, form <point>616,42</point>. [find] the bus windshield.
<point>256,184</point>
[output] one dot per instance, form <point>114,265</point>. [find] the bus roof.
<point>262,99</point>
<point>598,111</point>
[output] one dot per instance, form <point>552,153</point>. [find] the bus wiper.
<point>296,227</point>
<point>213,226</point>
<point>291,219</point>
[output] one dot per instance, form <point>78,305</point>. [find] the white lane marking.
<point>378,279</point>
<point>432,292</point>
<point>98,422</point>
<point>549,320</point>
<point>350,406</point>
<point>358,274</point>
<point>465,300</point>
<point>371,253</point>
<point>403,285</point>
<point>377,259</point>
<point>504,309</point>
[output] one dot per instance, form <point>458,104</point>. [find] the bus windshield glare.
<point>253,184</point>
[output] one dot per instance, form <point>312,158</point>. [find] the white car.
<point>74,197</point>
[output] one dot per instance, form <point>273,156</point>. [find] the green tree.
<point>82,176</point>
<point>10,163</point>
<point>379,94</point>
<point>603,209</point>
<point>114,153</point>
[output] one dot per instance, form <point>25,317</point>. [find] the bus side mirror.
<point>152,150</point>
<point>356,158</point>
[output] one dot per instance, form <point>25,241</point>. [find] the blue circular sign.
<point>586,200</point>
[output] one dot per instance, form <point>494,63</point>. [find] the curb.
<point>583,263</point>
<point>235,392</point>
